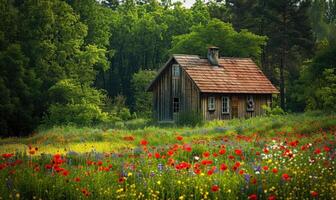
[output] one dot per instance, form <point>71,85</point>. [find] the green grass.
<point>145,177</point>
<point>63,139</point>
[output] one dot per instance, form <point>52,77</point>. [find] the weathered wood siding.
<point>162,96</point>
<point>167,87</point>
<point>190,95</point>
<point>259,100</point>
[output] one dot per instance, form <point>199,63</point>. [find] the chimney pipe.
<point>213,55</point>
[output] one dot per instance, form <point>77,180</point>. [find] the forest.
<point>88,62</point>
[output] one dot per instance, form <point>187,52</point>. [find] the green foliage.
<point>190,118</point>
<point>222,35</point>
<point>327,93</point>
<point>269,111</point>
<point>143,99</point>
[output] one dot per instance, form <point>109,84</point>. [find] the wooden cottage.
<point>219,88</point>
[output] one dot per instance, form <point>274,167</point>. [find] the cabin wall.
<point>162,96</point>
<point>167,88</point>
<point>239,100</point>
<point>190,95</point>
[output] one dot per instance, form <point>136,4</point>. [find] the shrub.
<point>273,111</point>
<point>190,119</point>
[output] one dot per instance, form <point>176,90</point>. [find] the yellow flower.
<point>130,174</point>
<point>159,182</point>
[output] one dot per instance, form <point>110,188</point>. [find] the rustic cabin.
<point>218,88</point>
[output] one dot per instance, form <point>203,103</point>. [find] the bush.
<point>79,114</point>
<point>273,111</point>
<point>190,119</point>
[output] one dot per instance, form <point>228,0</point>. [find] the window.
<point>176,71</point>
<point>249,103</point>
<point>176,105</point>
<point>225,105</point>
<point>211,103</point>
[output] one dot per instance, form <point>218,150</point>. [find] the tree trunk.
<point>282,80</point>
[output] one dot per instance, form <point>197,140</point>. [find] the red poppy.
<point>179,138</point>
<point>157,155</point>
<point>222,151</point>
<point>285,177</point>
<point>100,163</point>
<point>326,148</point>
<point>143,142</point>
<point>313,193</point>
<point>241,172</point>
<point>317,151</point>
<point>237,164</point>
<point>206,162</point>
<point>238,152</point>
<point>215,188</point>
<point>187,147</point>
<point>77,179</point>
<point>121,179</point>
<point>85,192</point>
<point>206,154</point>
<point>265,150</point>
<point>272,197</point>
<point>170,153</point>
<point>197,171</point>
<point>231,157</point>
<point>210,172</point>
<point>65,173</point>
<point>7,155</point>
<point>254,181</point>
<point>223,167</point>
<point>252,197</point>
<point>265,168</point>
<point>275,170</point>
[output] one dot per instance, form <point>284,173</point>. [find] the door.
<point>234,107</point>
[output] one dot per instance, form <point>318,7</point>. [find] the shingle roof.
<point>233,75</point>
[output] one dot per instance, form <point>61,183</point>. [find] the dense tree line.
<point>86,61</point>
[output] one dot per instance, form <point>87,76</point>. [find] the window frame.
<point>227,105</point>
<point>211,103</point>
<point>176,68</point>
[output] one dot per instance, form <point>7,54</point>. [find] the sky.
<point>188,3</point>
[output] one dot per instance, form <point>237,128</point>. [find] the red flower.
<point>317,151</point>
<point>100,163</point>
<point>266,150</point>
<point>197,171</point>
<point>48,166</point>
<point>143,142</point>
<point>121,179</point>
<point>238,152</point>
<point>285,177</point>
<point>223,167</point>
<point>313,193</point>
<point>275,170</point>
<point>170,152</point>
<point>210,172</point>
<point>206,162</point>
<point>7,155</point>
<point>237,164</point>
<point>206,154</point>
<point>179,138</point>
<point>157,155</point>
<point>65,173</point>
<point>272,197</point>
<point>252,197</point>
<point>265,168</point>
<point>215,188</point>
<point>187,147</point>
<point>85,192</point>
<point>241,172</point>
<point>326,148</point>
<point>254,181</point>
<point>77,179</point>
<point>222,151</point>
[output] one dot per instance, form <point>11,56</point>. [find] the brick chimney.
<point>213,54</point>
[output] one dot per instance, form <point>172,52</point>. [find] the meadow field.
<point>279,157</point>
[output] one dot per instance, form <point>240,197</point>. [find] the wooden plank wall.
<point>259,100</point>
<point>163,110</point>
<point>190,95</point>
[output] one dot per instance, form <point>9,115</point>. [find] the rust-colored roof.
<point>233,75</point>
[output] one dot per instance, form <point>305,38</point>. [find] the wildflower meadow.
<point>283,162</point>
